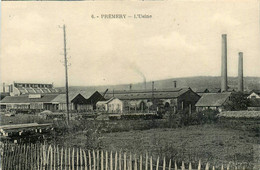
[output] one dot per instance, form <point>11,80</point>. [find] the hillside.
<point>193,82</point>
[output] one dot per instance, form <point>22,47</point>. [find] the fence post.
<point>77,158</point>
<point>85,160</point>
<point>120,160</point>
<point>61,159</point>
<point>146,161</point>
<point>135,168</point>
<point>130,162</point>
<point>111,160</point>
<point>175,165</point>
<point>89,159</point>
<point>222,167</point>
<point>51,158</point>
<point>72,161</point>
<point>124,161</point>
<point>116,161</point>
<point>98,160</point>
<point>54,157</point>
<point>228,166</point>
<point>141,162</point>
<point>157,164</point>
<point>207,166</point>
<point>102,160</point>
<point>81,159</point>
<point>190,167</point>
<point>164,164</point>
<point>65,158</point>
<point>199,166</point>
<point>58,157</point>
<point>94,160</point>
<point>106,160</point>
<point>170,164</point>
<point>213,168</point>
<point>182,165</point>
<point>151,163</point>
<point>69,159</point>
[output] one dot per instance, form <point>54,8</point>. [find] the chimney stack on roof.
<point>175,84</point>
<point>224,64</point>
<point>3,87</point>
<point>240,72</point>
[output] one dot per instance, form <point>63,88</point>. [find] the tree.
<point>238,101</point>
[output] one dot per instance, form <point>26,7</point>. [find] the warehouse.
<point>113,105</point>
<point>17,89</point>
<point>76,102</point>
<point>146,100</point>
<point>31,101</point>
<point>214,101</point>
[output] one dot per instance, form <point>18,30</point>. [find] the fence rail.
<point>49,157</point>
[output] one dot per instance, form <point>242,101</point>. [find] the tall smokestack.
<point>224,64</point>
<point>240,72</point>
<point>3,87</point>
<point>130,87</point>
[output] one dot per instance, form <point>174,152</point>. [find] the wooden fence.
<point>43,157</point>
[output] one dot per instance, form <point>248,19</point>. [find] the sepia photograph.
<point>109,85</point>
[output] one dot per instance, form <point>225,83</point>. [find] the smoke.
<point>134,67</point>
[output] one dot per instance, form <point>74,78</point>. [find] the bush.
<point>183,118</point>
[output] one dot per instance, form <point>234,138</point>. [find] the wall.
<point>187,98</point>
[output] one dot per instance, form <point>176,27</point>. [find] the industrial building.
<point>78,101</point>
<point>17,89</point>
<point>213,101</point>
<point>145,100</point>
<point>113,105</point>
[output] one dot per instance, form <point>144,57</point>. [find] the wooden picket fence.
<point>49,157</point>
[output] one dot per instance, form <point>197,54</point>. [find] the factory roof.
<point>46,98</point>
<point>107,101</point>
<point>147,94</point>
<point>213,99</point>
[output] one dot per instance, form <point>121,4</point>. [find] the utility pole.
<point>66,74</point>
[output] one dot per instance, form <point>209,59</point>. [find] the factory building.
<point>213,101</point>
<point>146,100</point>
<point>17,89</point>
<point>113,105</point>
<point>26,102</point>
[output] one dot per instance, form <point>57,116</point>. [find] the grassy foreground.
<point>209,143</point>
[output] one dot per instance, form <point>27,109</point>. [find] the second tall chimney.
<point>240,72</point>
<point>224,64</point>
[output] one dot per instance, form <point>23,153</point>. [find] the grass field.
<point>212,143</point>
<point>206,142</point>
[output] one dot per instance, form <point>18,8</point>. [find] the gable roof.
<point>25,99</point>
<point>213,99</point>
<point>147,94</point>
<point>256,91</point>
<point>107,101</point>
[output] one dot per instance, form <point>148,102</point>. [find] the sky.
<point>182,39</point>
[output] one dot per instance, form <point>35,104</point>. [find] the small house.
<point>214,101</point>
<point>113,105</point>
<point>254,94</point>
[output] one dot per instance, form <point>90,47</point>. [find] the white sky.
<point>182,39</point>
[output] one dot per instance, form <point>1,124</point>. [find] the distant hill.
<point>193,82</point>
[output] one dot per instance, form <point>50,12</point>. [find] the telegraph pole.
<point>66,74</point>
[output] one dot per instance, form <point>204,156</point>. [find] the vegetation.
<point>238,101</point>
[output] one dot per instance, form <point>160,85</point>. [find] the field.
<point>206,142</point>
<point>227,141</point>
